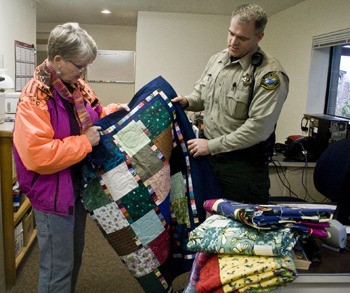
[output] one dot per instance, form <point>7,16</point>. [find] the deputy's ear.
<point>260,36</point>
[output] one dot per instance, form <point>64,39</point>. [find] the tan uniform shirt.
<point>222,93</point>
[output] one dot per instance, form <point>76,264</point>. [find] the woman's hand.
<point>93,135</point>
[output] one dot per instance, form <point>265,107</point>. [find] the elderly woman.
<point>53,134</point>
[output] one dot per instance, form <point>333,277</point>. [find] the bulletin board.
<point>112,66</point>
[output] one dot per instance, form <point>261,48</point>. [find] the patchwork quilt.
<point>143,189</point>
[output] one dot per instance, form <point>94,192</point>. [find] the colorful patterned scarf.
<point>75,98</point>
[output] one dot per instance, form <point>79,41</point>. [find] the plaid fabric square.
<point>119,181</point>
<point>148,227</point>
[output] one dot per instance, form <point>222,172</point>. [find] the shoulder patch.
<point>270,81</point>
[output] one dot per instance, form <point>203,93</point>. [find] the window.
<point>329,79</point>
<point>338,91</point>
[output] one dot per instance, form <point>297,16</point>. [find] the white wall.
<point>18,22</point>
<point>177,46</point>
<point>288,37</point>
<point>107,38</point>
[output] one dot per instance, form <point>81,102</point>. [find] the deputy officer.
<point>241,93</point>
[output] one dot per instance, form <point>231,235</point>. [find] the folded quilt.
<point>219,234</point>
<point>220,273</point>
<point>311,221</point>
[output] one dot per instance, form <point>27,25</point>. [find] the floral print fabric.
<point>219,234</point>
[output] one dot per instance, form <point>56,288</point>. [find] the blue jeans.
<point>61,243</point>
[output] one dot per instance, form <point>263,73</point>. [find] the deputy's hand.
<point>198,147</point>
<point>93,135</point>
<point>181,100</point>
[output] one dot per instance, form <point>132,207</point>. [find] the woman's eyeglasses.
<point>79,67</point>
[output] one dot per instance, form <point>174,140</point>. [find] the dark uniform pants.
<point>241,179</point>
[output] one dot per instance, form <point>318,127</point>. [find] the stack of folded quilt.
<point>247,248</point>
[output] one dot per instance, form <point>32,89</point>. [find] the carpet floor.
<point>101,271</point>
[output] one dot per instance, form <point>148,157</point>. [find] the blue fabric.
<point>151,107</point>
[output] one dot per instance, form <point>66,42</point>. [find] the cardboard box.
<point>28,226</point>
<point>18,238</point>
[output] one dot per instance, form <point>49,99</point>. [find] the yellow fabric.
<point>254,273</point>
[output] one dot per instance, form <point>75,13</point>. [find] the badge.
<point>246,79</point>
<point>270,81</point>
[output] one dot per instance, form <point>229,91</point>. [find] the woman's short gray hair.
<point>71,42</point>
<point>252,13</point>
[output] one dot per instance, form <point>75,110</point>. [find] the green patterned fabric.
<point>219,234</point>
<point>156,119</point>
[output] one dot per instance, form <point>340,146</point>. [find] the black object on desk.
<point>311,249</point>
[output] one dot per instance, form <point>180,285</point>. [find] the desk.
<point>10,218</point>
<point>296,176</point>
<point>331,275</point>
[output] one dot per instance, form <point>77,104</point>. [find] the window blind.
<point>336,38</point>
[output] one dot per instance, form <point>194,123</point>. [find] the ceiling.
<point>124,12</point>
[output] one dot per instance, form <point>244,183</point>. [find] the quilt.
<point>143,189</point>
<point>219,273</point>
<point>308,221</point>
<point>219,234</point>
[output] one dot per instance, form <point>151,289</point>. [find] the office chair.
<point>332,177</point>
